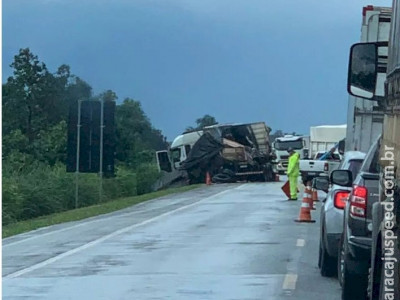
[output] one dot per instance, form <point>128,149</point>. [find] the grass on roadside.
<point>86,212</point>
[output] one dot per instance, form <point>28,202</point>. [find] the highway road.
<point>229,241</point>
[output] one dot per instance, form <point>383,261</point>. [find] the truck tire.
<point>268,174</point>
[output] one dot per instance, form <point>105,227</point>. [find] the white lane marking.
<point>300,243</point>
<point>290,282</point>
<point>242,186</point>
<point>50,232</point>
<point>89,221</point>
<point>106,237</point>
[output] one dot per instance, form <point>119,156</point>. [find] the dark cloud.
<point>240,61</point>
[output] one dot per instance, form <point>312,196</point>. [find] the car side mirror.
<point>342,178</point>
<point>321,183</point>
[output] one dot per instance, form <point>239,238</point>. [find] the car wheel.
<point>327,263</point>
<point>353,286</point>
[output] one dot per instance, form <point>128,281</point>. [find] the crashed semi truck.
<point>369,64</point>
<point>228,153</point>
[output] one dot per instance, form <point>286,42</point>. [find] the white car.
<point>332,211</point>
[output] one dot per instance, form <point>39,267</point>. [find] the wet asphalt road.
<point>236,241</point>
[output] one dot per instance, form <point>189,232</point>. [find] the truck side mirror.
<point>342,178</point>
<point>363,70</point>
<point>306,153</point>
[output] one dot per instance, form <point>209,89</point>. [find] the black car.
<point>355,243</point>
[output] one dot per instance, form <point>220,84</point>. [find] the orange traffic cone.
<point>208,178</point>
<point>315,195</point>
<point>308,196</point>
<point>305,210</point>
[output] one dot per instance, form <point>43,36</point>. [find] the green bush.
<point>37,189</point>
<point>12,200</point>
<point>147,175</point>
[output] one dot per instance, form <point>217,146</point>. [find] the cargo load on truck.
<point>240,150</point>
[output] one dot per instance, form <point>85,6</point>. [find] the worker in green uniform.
<point>293,172</point>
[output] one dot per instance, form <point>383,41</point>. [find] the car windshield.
<point>335,156</point>
<point>279,145</point>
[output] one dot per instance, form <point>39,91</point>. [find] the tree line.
<point>35,107</point>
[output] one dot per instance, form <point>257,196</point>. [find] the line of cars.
<point>360,216</point>
<point>346,221</point>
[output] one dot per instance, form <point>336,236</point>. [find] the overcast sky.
<point>282,62</point>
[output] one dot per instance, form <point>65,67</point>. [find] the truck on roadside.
<point>365,118</point>
<point>169,161</point>
<point>325,137</point>
<point>282,144</point>
<point>368,64</point>
<point>227,152</point>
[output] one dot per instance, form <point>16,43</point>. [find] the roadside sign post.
<point>78,140</point>
<point>90,147</point>
<point>101,149</point>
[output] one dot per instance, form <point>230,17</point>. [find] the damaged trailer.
<point>231,153</point>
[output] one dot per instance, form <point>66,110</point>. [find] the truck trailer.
<point>365,118</point>
<point>325,137</point>
<point>366,68</point>
<point>232,152</point>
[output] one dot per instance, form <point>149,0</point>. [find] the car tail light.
<point>326,167</point>
<point>358,201</point>
<point>340,199</point>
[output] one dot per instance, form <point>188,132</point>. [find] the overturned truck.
<point>229,153</point>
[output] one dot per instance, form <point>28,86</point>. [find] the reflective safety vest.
<point>294,165</point>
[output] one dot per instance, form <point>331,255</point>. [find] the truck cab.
<point>182,145</point>
<point>282,144</point>
<point>168,160</point>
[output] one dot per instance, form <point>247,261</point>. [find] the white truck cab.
<point>282,144</point>
<point>178,152</point>
<point>182,145</point>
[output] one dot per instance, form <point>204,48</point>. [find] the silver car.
<point>332,216</point>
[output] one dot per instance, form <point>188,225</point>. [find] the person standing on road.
<point>293,172</point>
